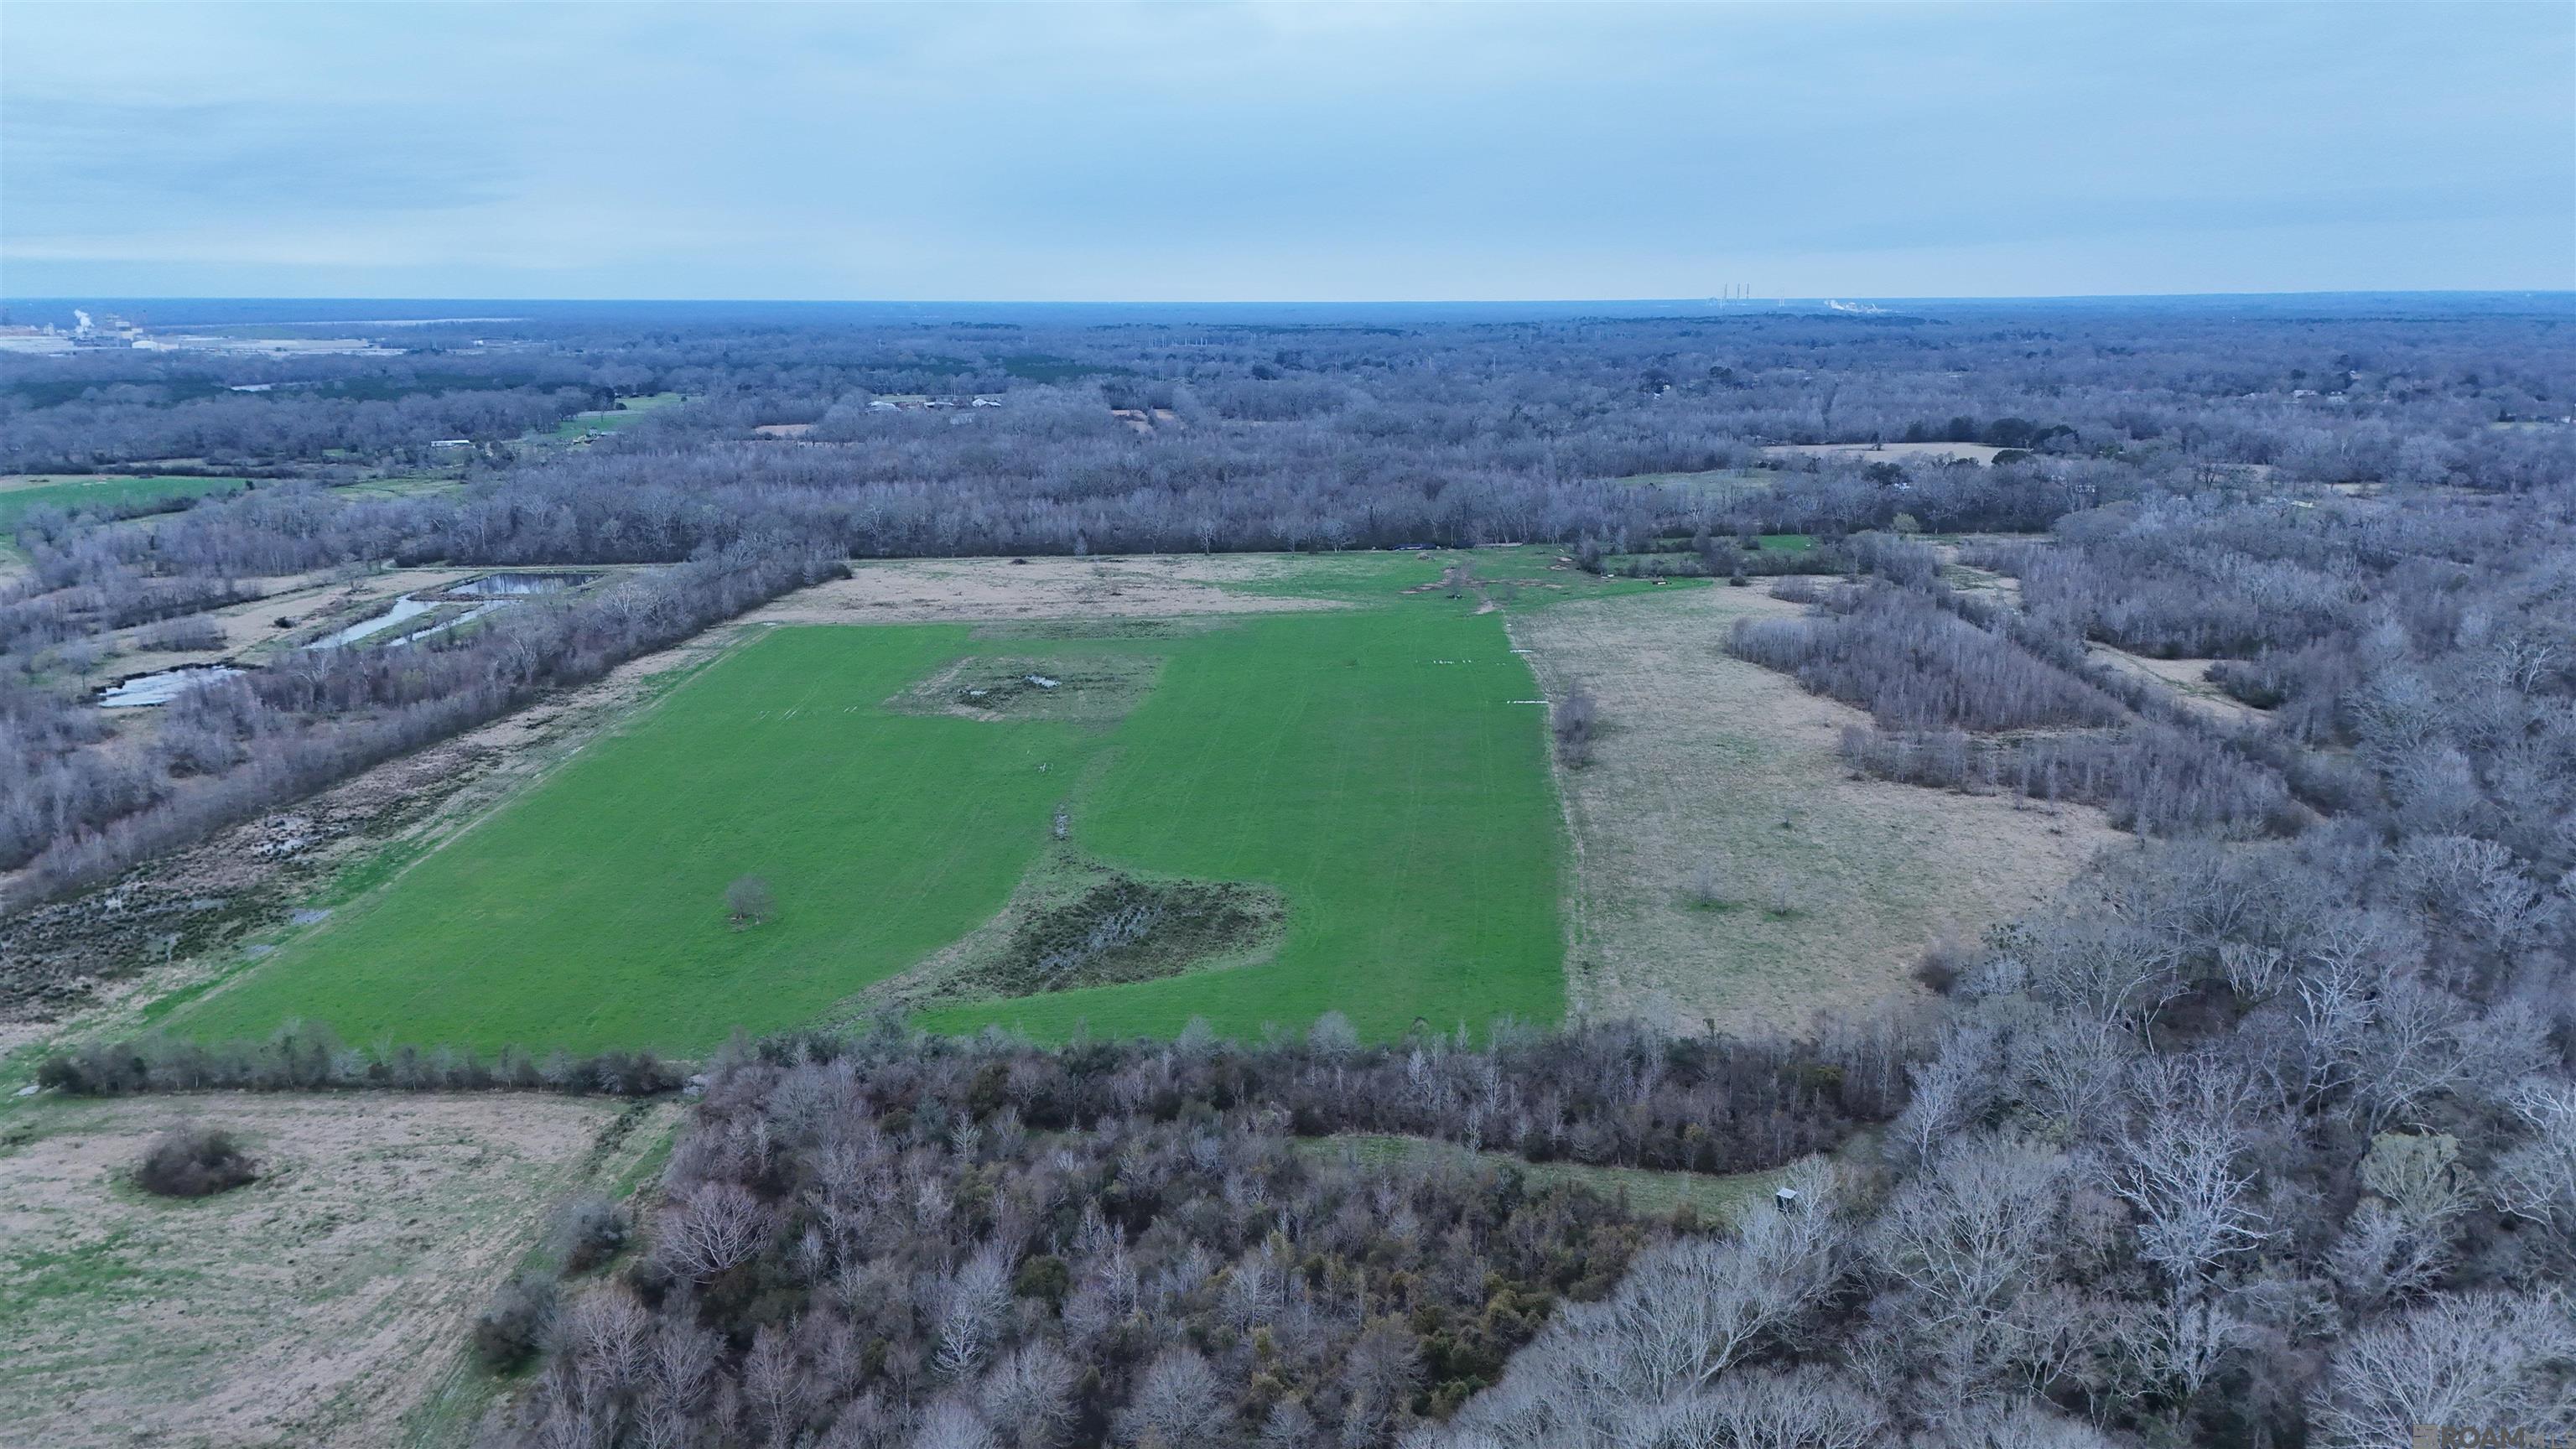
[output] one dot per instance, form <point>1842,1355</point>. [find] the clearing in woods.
<point>325,1303</point>
<point>1714,1198</point>
<point>1979,453</point>
<point>2187,679</point>
<point>626,414</point>
<point>1706,761</point>
<point>1379,768</point>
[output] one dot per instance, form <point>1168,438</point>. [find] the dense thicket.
<point>897,1241</point>
<point>1914,666</point>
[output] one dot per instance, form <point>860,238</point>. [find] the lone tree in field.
<point>1709,887</point>
<point>749,902</point>
<point>1577,718</point>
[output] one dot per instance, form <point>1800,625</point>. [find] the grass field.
<point>1370,765</point>
<point>404,485</point>
<point>609,420</point>
<point>325,1303</point>
<point>1706,761</point>
<point>101,492</point>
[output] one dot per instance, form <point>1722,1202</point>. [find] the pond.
<point>477,612</point>
<point>512,586</point>
<point>145,690</point>
<point>404,608</point>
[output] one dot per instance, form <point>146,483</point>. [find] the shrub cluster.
<point>193,1160</point>
<point>890,1240</point>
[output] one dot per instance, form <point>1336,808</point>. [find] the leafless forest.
<point>2264,1136</point>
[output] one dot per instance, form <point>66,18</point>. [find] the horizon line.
<point>1857,297</point>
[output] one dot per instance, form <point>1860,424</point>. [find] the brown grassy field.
<point>912,591</point>
<point>1706,760</point>
<point>326,1303</point>
<point>1980,453</point>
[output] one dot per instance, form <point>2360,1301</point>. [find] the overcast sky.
<point>1282,152</point>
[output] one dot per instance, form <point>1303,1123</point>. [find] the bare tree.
<point>951,1424</point>
<point>2472,1359</point>
<point>1179,1400</point>
<point>610,1336</point>
<point>2535,1181</point>
<point>2180,1169</point>
<point>773,1383</point>
<point>1577,722</point>
<point>1028,1397</point>
<point>973,1305</point>
<point>717,1227</point>
<point>748,901</point>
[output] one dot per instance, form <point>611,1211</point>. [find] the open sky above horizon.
<point>1283,152</point>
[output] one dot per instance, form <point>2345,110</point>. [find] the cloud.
<point>104,163</point>
<point>1288,151</point>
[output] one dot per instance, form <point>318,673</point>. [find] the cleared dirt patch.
<point>319,1305</point>
<point>984,589</point>
<point>1096,687</point>
<point>1707,764</point>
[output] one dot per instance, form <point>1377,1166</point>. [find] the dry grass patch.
<point>1981,453</point>
<point>1713,1198</point>
<point>1821,889</point>
<point>321,1304</point>
<point>912,591</point>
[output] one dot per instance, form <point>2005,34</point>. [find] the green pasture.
<point>609,420</point>
<point>101,493</point>
<point>1371,765</point>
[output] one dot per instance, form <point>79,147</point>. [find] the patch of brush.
<point>1089,687</point>
<point>1127,929</point>
<point>1075,922</point>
